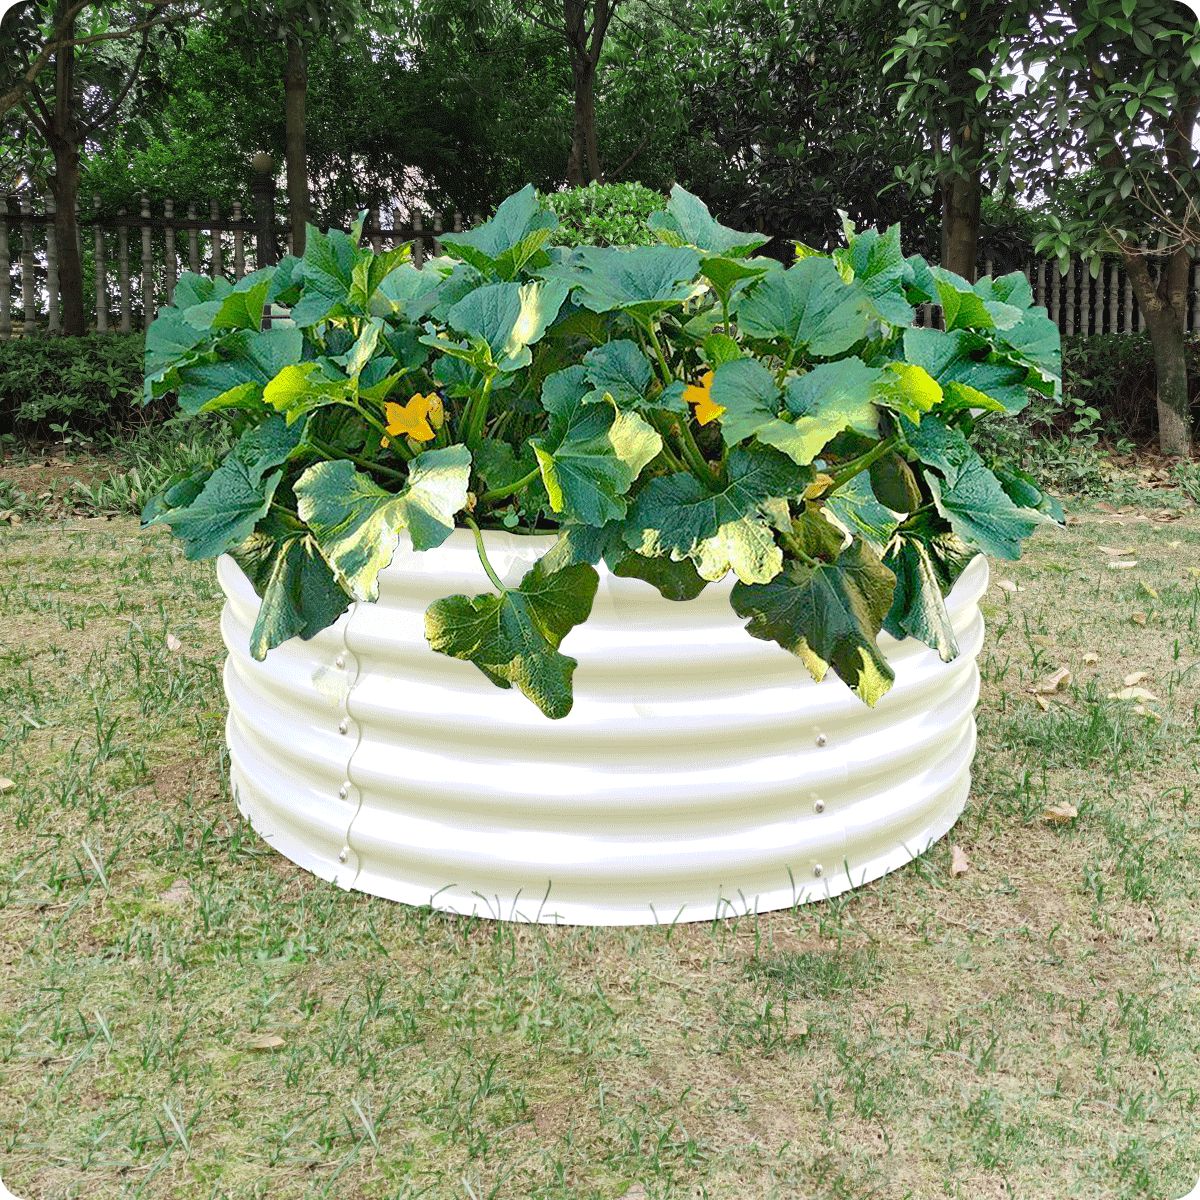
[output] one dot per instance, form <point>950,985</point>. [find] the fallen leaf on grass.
<point>1111,550</point>
<point>1138,618</point>
<point>1074,521</point>
<point>1007,585</point>
<point>1052,682</point>
<point>1194,572</point>
<point>6,784</point>
<point>1143,711</point>
<point>268,1041</point>
<point>1042,703</point>
<point>1060,814</point>
<point>1041,639</point>
<point>179,891</point>
<point>1174,545</point>
<point>173,643</point>
<point>1147,590</point>
<point>1122,564</point>
<point>1108,508</point>
<point>1135,677</point>
<point>1091,657</point>
<point>958,861</point>
<point>1132,693</point>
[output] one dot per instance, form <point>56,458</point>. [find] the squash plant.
<point>681,411</point>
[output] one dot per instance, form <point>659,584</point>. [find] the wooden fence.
<point>128,293</point>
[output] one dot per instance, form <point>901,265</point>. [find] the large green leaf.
<point>254,359</point>
<point>856,507</point>
<point>878,272</point>
<point>409,290</point>
<point>620,370</point>
<point>299,594</point>
<point>968,495</point>
<point>827,615</point>
<point>1027,496</point>
<point>808,306</point>
<point>192,290</point>
<point>303,387</point>
<point>747,392</point>
<point>590,454</point>
<point>641,281</point>
<point>687,222</point>
<point>369,271</point>
<point>327,271</point>
<point>511,240</point>
<point>824,401</point>
<point>170,340</point>
<point>926,559</point>
<point>719,530</point>
<point>513,636</point>
<point>242,308</point>
<point>357,523</point>
<point>729,276</point>
<point>948,358</point>
<point>509,317</point>
<point>237,494</point>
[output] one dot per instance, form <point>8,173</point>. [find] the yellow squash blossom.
<point>419,418</point>
<point>701,396</point>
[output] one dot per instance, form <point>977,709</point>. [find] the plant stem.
<point>659,421</point>
<point>475,416</point>
<point>857,465</point>
<point>511,489</point>
<point>483,558</point>
<point>789,540</point>
<point>366,464</point>
<point>668,378</point>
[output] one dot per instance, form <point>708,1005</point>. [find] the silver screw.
<point>343,726</point>
<point>818,806</point>
<point>821,739</point>
<point>345,854</point>
<point>344,790</point>
<point>818,871</point>
<point>339,662</point>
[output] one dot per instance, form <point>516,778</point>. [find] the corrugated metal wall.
<point>699,773</point>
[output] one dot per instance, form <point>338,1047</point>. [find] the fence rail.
<point>124,296</point>
<point>126,293</point>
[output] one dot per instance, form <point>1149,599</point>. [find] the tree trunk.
<point>961,196</point>
<point>583,143</point>
<point>64,144</point>
<point>1164,306</point>
<point>295,85</point>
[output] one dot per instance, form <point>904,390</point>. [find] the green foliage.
<point>680,410</point>
<point>91,384</point>
<point>612,214</point>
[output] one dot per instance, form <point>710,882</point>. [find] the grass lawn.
<point>185,1014</point>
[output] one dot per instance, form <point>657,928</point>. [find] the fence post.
<point>101,271</point>
<point>123,270</point>
<point>1128,326</point>
<point>169,234</point>
<point>418,250</point>
<point>437,228</point>
<point>239,257</point>
<point>375,229</point>
<point>1085,295</point>
<point>262,185</point>
<point>193,240</point>
<point>1069,281</point>
<point>1112,297</point>
<point>27,301</point>
<point>52,318</point>
<point>218,266</point>
<point>5,277</point>
<point>1041,283</point>
<point>458,222</point>
<point>148,310</point>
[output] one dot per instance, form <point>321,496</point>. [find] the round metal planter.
<point>700,773</point>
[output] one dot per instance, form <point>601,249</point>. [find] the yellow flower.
<point>700,394</point>
<point>418,418</point>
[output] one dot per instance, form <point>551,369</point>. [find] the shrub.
<point>613,214</point>
<point>92,385</point>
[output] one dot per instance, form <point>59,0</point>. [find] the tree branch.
<point>133,75</point>
<point>610,175</point>
<point>13,96</point>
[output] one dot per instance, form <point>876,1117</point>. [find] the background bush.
<point>610,215</point>
<point>92,384</point>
